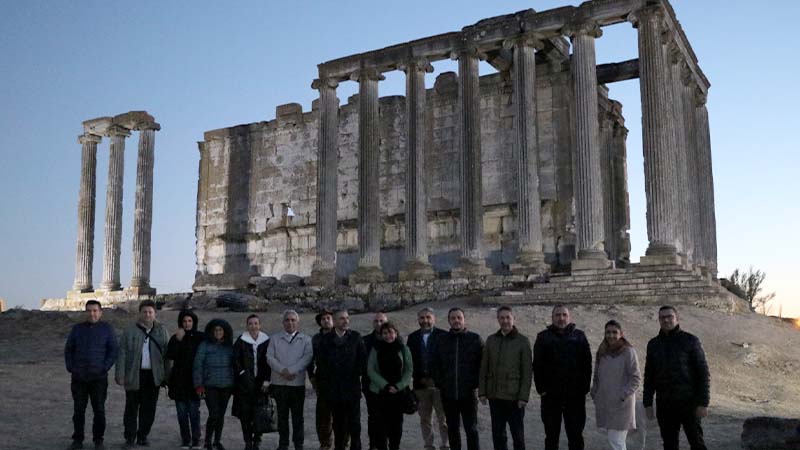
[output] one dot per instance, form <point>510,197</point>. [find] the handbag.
<point>264,420</point>
<point>408,401</point>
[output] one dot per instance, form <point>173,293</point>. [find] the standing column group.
<point>117,129</point>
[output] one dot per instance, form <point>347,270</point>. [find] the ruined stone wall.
<point>249,174</point>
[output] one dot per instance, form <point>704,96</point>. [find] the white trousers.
<point>616,439</point>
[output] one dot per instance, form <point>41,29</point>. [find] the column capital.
<point>476,52</point>
<point>687,76</point>
<point>650,12</point>
<point>118,130</point>
<point>149,125</point>
<point>524,40</point>
<point>88,137</point>
<point>416,64</point>
<point>592,29</point>
<point>320,83</point>
<point>367,73</point>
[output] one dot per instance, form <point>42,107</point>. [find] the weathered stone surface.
<point>113,225</point>
<point>771,433</point>
<point>291,280</point>
<point>3,305</point>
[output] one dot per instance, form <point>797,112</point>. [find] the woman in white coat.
<point>616,378</point>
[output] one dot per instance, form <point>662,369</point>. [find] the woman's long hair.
<point>606,349</point>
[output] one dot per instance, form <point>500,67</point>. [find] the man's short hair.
<point>290,312</point>
<point>504,308</point>
<point>147,303</point>
<point>339,312</point>
<point>668,307</point>
<point>454,309</point>
<point>93,302</point>
<point>322,314</point>
<point>252,316</point>
<point>559,306</point>
<point>426,310</point>
<point>389,326</point>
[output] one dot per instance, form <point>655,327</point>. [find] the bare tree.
<point>750,284</point>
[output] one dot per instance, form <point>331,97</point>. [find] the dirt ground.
<point>754,363</point>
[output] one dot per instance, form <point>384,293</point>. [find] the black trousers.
<point>573,411</point>
<point>671,418</point>
<point>217,403</point>
<point>388,422</point>
<point>289,400</point>
<point>324,421</point>
<point>82,393</point>
<point>346,424</point>
<point>140,406</point>
<point>463,411</point>
<point>247,415</point>
<point>373,405</point>
<point>507,412</point>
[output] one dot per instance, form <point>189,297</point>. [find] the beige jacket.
<point>614,385</point>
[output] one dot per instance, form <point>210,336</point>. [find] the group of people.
<point>445,373</point>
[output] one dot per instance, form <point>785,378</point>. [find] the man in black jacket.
<point>324,422</point>
<point>370,397</point>
<point>340,363</point>
<point>456,364</point>
<point>562,372</point>
<point>429,400</point>
<point>676,372</point>
<point>89,353</point>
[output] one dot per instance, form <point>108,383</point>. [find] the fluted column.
<point>659,154</point>
<point>86,209</point>
<point>417,265</point>
<point>143,213</point>
<point>471,212</point>
<point>113,226</point>
<point>694,180</point>
<point>369,218</point>
<point>587,176</point>
<point>323,271</point>
<point>676,59</point>
<point>530,258</point>
<point>708,219</point>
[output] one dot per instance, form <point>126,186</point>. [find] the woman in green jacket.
<point>389,369</point>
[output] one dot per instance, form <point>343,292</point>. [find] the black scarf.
<point>390,360</point>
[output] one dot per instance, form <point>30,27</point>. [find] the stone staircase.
<point>637,285</point>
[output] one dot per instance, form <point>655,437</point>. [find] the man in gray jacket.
<point>288,355</point>
<point>142,367</point>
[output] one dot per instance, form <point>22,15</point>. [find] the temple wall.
<point>250,174</point>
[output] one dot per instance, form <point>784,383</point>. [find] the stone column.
<point>587,175</point>
<point>659,155</point>
<point>530,259</point>
<point>417,265</point>
<point>471,263</point>
<point>143,213</point>
<point>323,271</point>
<point>86,208</point>
<point>694,180</point>
<point>676,59</point>
<point>369,210</point>
<point>708,220</point>
<point>113,227</point>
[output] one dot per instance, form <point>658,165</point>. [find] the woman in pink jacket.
<point>616,378</point>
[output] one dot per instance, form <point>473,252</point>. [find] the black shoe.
<point>75,445</point>
<point>219,446</point>
<point>143,442</point>
<point>129,443</point>
<point>99,445</point>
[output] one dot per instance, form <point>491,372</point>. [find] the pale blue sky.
<point>201,65</point>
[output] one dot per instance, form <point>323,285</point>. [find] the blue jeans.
<point>189,412</point>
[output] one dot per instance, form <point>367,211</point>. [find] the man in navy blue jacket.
<point>90,352</point>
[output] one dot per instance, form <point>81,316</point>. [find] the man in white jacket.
<point>289,355</point>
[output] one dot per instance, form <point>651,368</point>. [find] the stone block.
<point>771,433</point>
<point>3,305</point>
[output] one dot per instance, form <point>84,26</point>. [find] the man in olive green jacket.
<point>142,367</point>
<point>505,380</point>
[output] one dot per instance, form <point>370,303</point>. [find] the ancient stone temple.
<point>517,173</point>
<point>117,129</point>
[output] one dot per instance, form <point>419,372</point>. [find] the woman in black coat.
<point>181,349</point>
<point>252,376</point>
